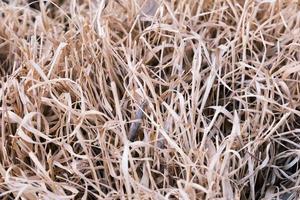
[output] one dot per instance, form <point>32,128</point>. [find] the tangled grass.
<point>165,99</point>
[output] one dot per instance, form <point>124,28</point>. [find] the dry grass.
<point>173,99</point>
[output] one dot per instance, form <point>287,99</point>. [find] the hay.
<point>206,91</point>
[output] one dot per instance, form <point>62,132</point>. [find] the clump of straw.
<point>156,99</point>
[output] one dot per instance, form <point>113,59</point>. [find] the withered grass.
<point>165,99</point>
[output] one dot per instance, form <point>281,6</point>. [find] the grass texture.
<point>154,99</point>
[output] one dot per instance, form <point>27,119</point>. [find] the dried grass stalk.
<point>134,127</point>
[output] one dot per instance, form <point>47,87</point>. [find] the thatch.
<point>165,99</point>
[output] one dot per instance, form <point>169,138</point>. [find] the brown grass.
<point>165,99</point>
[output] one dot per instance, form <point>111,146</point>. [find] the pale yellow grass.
<point>165,99</point>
